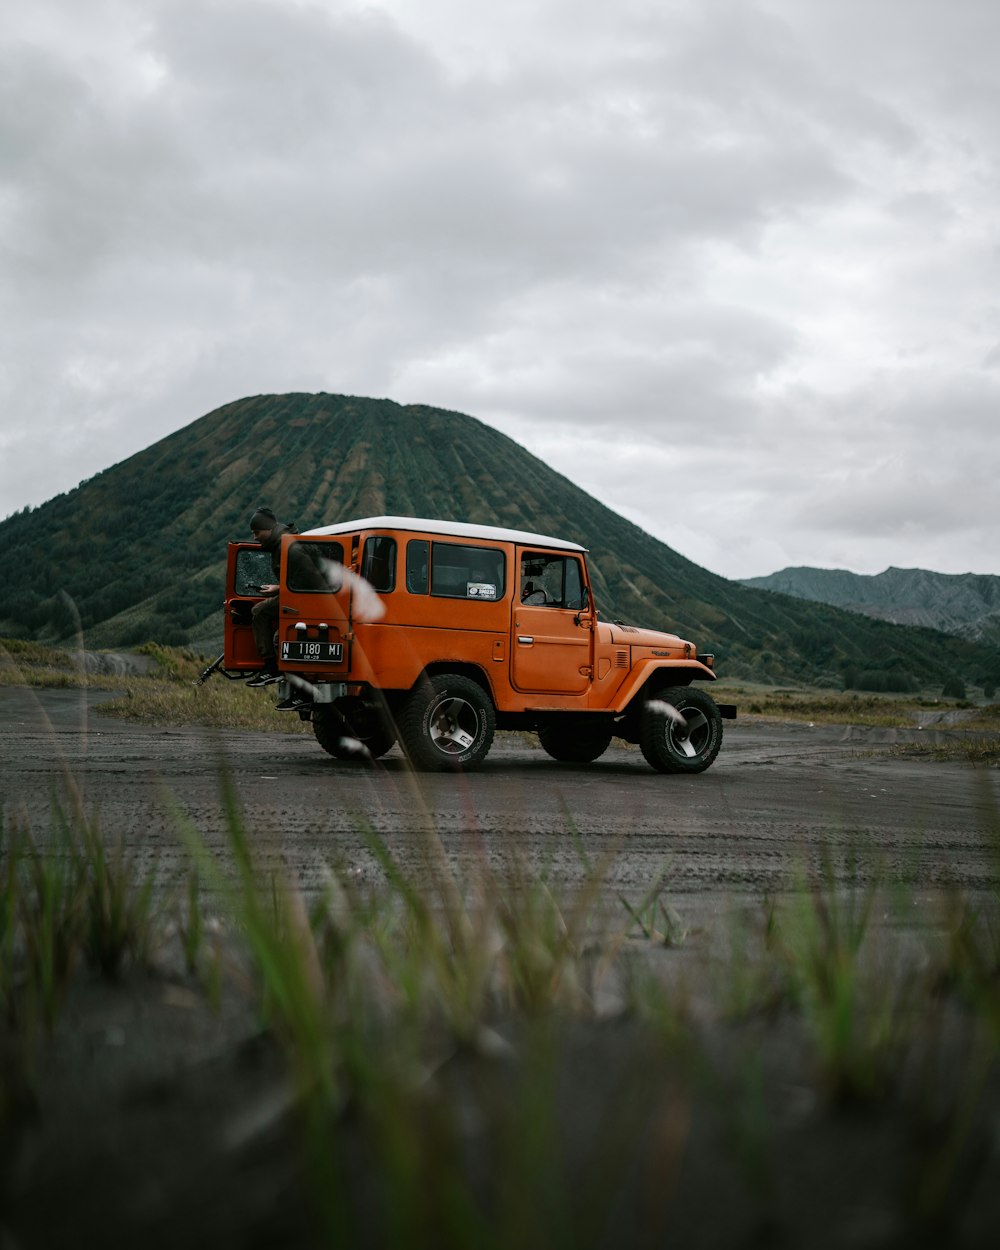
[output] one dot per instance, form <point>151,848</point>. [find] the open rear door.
<point>247,569</point>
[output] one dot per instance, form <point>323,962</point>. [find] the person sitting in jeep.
<point>268,531</point>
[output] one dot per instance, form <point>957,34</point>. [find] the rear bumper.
<point>319,692</point>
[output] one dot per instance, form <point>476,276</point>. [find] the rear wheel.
<point>448,722</point>
<point>573,743</point>
<point>352,728</point>
<point>680,731</point>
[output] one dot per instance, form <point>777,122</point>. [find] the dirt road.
<point>778,794</point>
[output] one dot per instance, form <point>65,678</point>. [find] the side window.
<point>378,563</point>
<point>315,567</point>
<point>460,572</point>
<point>253,570</point>
<point>417,556</point>
<point>551,581</point>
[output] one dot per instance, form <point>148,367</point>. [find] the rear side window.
<point>417,565</point>
<point>315,567</point>
<point>460,572</point>
<point>378,564</point>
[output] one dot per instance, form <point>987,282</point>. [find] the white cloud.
<point>729,264</point>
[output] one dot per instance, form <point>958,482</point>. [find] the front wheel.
<point>680,730</point>
<point>448,722</point>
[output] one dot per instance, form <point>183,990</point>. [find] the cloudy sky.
<point>731,265</point>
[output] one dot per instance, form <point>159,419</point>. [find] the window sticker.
<point>459,571</point>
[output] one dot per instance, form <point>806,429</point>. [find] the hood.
<point>633,636</point>
<point>649,643</point>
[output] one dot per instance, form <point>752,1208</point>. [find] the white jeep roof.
<point>454,529</point>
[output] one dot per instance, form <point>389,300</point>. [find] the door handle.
<point>526,638</point>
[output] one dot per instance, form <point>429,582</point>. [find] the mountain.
<point>138,551</point>
<point>964,604</point>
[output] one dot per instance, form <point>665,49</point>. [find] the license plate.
<point>313,652</point>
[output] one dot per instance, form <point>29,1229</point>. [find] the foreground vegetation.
<point>463,1057</point>
<point>470,1060</point>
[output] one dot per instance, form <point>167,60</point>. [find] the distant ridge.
<point>964,604</point>
<point>138,551</point>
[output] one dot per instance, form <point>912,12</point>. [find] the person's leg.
<point>265,623</point>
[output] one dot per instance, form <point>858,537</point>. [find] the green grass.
<point>978,751</point>
<point>222,705</point>
<point>406,1005</point>
<point>855,1010</point>
<point>385,988</point>
<point>20,653</point>
<point>877,710</point>
<point>166,696</point>
<point>66,898</point>
<point>973,730</point>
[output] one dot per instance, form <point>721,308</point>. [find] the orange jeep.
<point>439,633</point>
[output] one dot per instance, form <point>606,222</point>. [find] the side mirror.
<point>585,605</point>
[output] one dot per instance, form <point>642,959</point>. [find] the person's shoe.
<point>263,678</point>
<point>292,703</point>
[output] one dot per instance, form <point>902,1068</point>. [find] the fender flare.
<point>679,673</point>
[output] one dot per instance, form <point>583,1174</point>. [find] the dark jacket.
<point>302,572</point>
<point>273,546</point>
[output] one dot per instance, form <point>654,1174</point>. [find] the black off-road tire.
<point>573,743</point>
<point>447,723</point>
<point>343,725</point>
<point>686,745</point>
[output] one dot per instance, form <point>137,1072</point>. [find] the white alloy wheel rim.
<point>691,738</point>
<point>453,725</point>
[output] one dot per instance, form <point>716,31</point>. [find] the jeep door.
<point>247,569</point>
<point>551,648</point>
<point>314,629</point>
